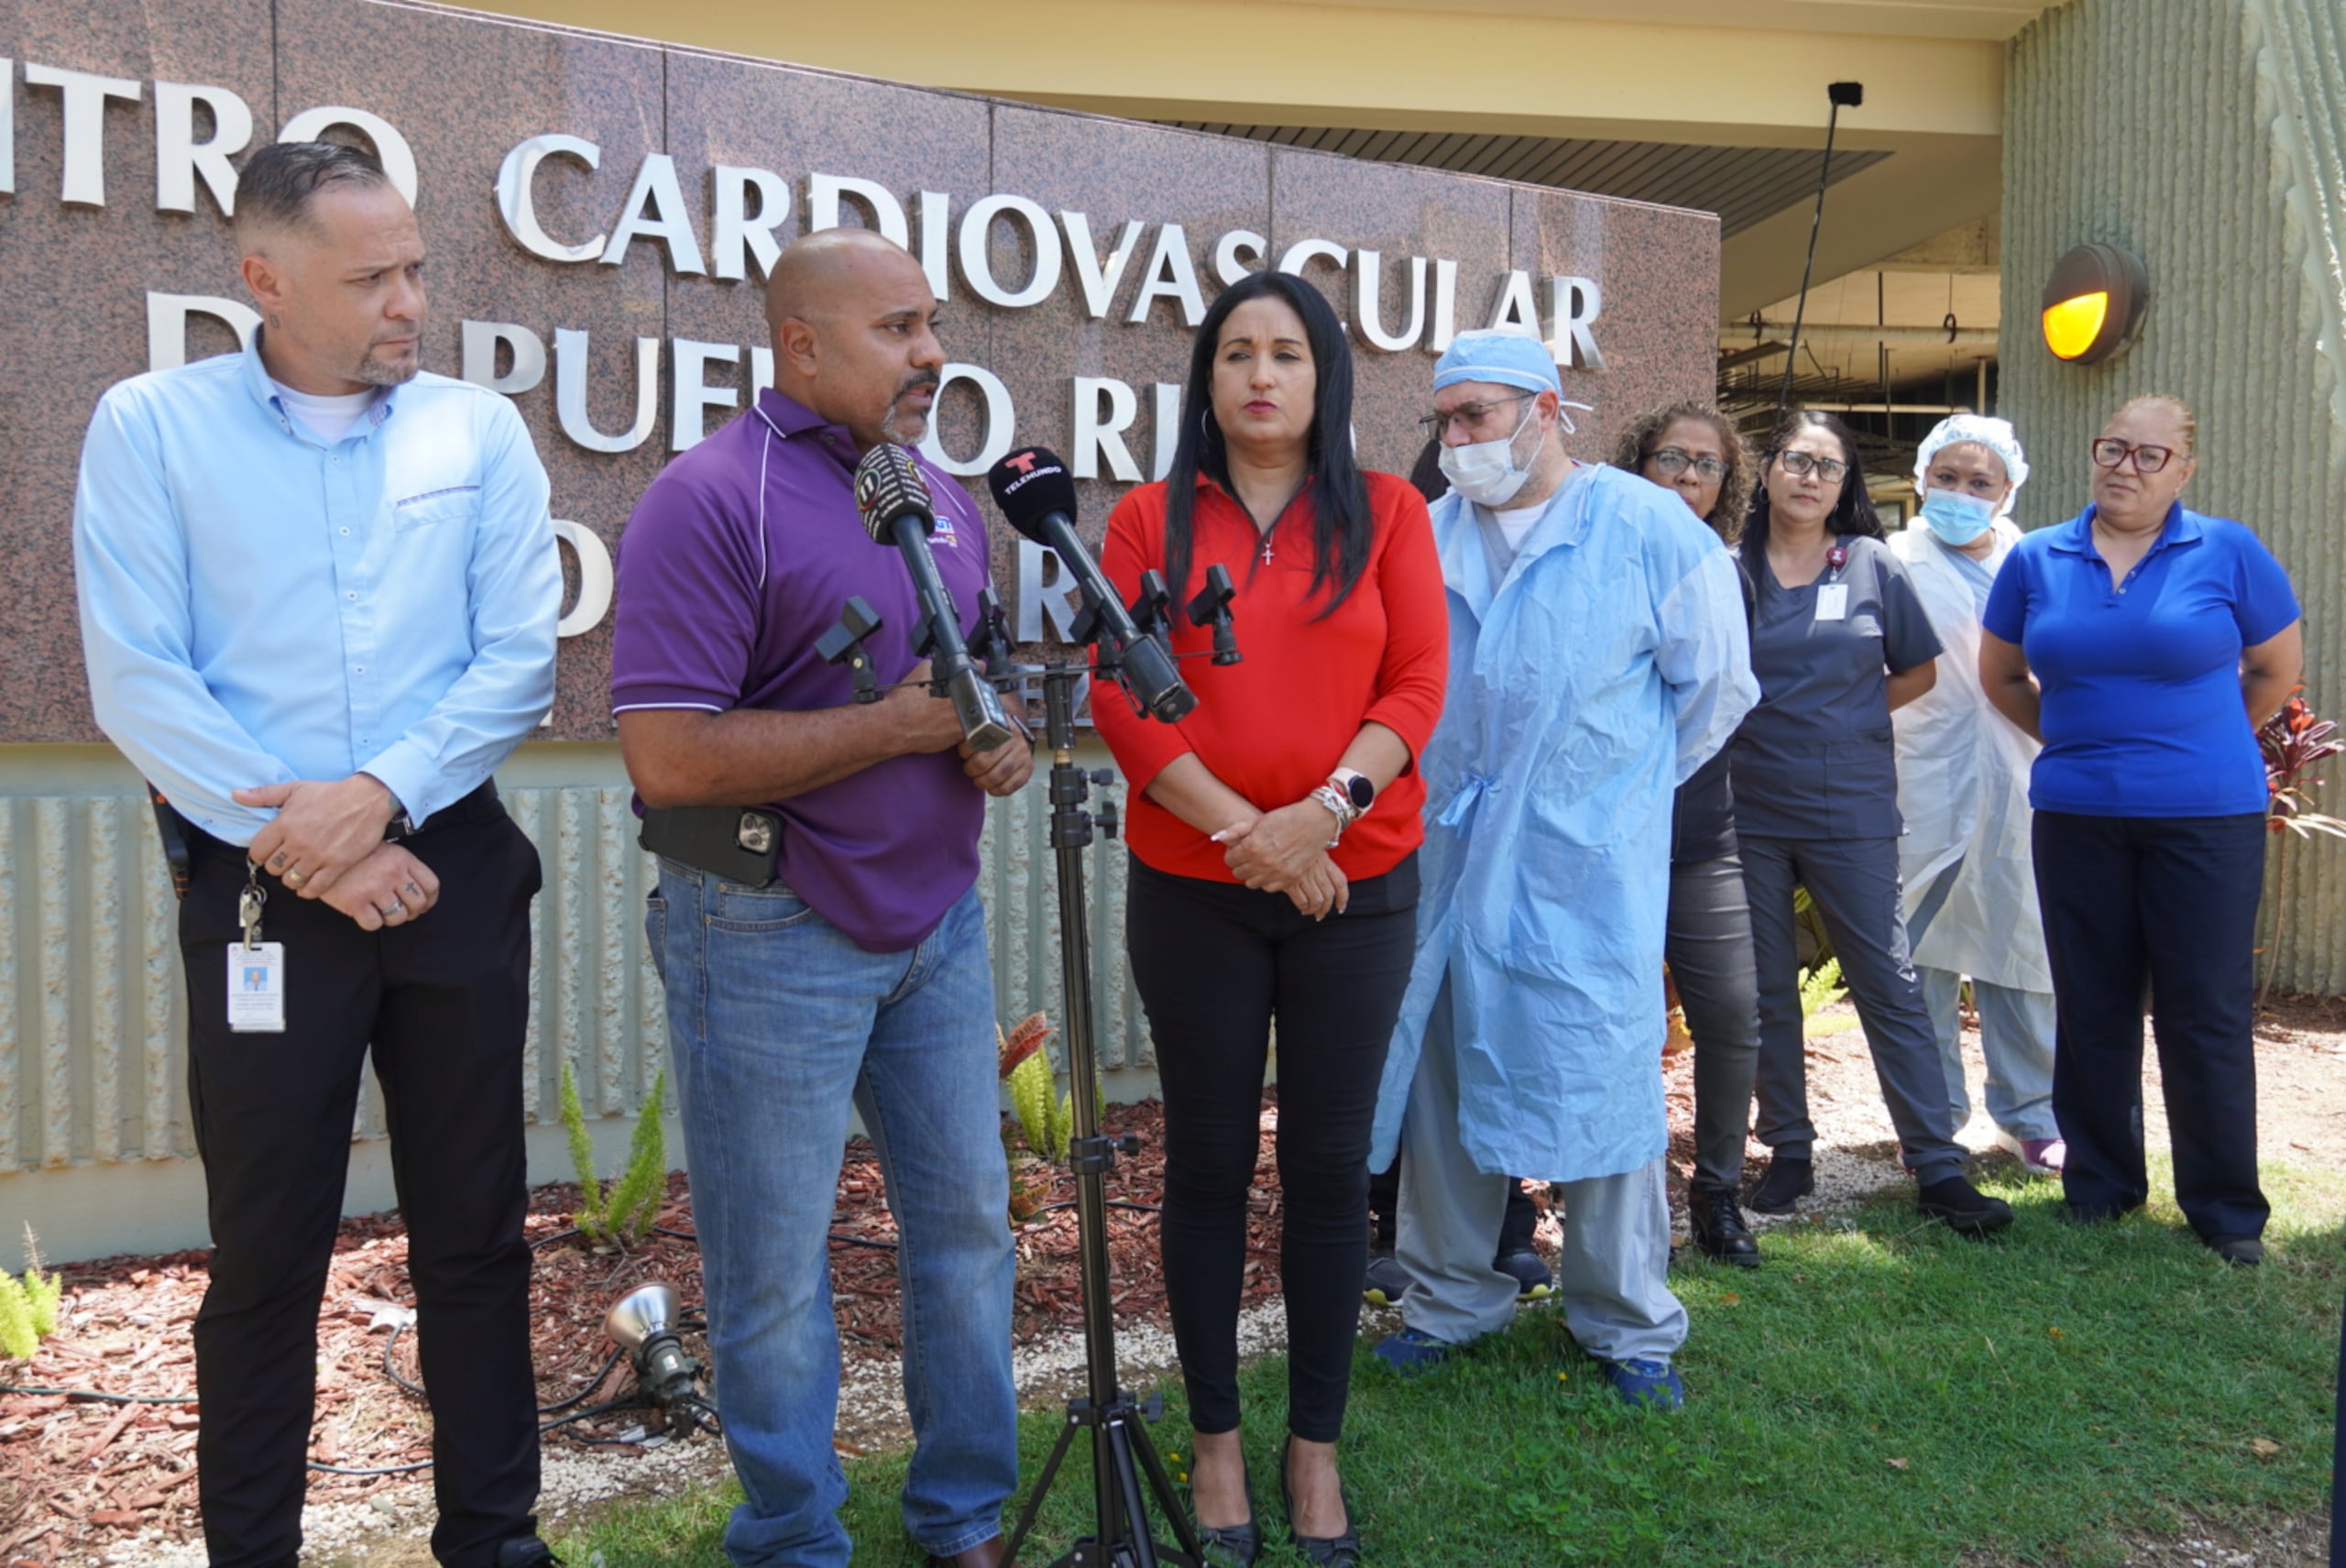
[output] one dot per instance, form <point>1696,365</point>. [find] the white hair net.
<point>1996,434</point>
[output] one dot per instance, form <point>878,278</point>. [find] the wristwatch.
<point>1356,787</point>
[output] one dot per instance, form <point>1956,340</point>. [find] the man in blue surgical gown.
<point>1597,656</point>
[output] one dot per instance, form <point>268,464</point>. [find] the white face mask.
<point>1485,472</point>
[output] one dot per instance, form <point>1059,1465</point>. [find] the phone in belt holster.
<point>739,843</point>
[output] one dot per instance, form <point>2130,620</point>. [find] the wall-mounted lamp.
<point>2094,304</point>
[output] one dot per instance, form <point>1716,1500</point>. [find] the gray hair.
<point>278,184</point>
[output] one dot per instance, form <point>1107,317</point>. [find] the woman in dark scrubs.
<point>1839,640</point>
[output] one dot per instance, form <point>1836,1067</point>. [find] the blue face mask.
<point>1956,518</point>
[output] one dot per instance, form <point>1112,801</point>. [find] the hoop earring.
<point>1206,426</point>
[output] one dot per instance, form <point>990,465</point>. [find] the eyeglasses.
<point>1673,463</point>
<point>1470,415</point>
<point>2109,453</point>
<point>1800,464</point>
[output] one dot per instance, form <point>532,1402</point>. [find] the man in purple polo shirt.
<point>857,975</point>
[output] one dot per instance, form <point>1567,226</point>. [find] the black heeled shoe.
<point>1232,1545</point>
<point>1330,1550</point>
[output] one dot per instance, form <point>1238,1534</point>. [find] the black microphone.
<point>894,501</point>
<point>1035,493</point>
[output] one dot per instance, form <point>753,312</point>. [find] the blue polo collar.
<point>2075,537</point>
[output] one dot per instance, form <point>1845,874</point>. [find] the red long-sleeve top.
<point>1273,725</point>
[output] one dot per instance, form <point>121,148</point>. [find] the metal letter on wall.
<point>390,148</point>
<point>1575,305</point>
<point>166,324</point>
<point>742,233</point>
<point>1228,265</point>
<point>482,340</point>
<point>84,96</point>
<point>517,205</point>
<point>595,580</point>
<point>977,267</point>
<point>822,193</point>
<point>1367,307</point>
<point>655,210</point>
<point>180,157</point>
<point>688,368</point>
<point>1100,433</point>
<point>570,362</point>
<point>1000,425</point>
<point>1098,279</point>
<point>7,126</point>
<point>1169,276</point>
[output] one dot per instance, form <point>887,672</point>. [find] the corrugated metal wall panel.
<point>91,1063</point>
<point>2211,139</point>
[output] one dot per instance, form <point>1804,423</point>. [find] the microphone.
<point>894,501</point>
<point>1035,495</point>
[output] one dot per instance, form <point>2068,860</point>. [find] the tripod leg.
<point>1138,1542</point>
<point>1042,1489</point>
<point>1184,1531</point>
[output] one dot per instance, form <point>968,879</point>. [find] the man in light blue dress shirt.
<point>318,594</point>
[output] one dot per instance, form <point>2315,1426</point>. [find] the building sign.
<point>601,214</point>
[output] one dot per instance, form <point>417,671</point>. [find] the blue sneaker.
<point>1412,1351</point>
<point>1387,1282</point>
<point>1648,1385</point>
<point>1533,1282</point>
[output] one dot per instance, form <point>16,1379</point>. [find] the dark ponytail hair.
<point>1340,524</point>
<point>1852,515</point>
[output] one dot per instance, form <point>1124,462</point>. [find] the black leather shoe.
<point>1789,1178</point>
<point>1233,1545</point>
<point>1716,1222</point>
<point>2241,1251</point>
<point>985,1554</point>
<point>2091,1214</point>
<point>1330,1550</point>
<point>1954,1202</point>
<point>527,1551</point>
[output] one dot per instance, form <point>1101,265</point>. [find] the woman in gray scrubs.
<point>1839,640</point>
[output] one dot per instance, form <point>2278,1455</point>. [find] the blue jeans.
<point>2016,1030</point>
<point>776,1023</point>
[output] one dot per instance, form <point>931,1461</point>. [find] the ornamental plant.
<point>2293,741</point>
<point>27,1305</point>
<point>622,1215</point>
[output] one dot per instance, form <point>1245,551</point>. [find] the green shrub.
<point>28,1306</point>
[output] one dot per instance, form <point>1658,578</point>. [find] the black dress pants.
<point>1217,964</point>
<point>444,1002</point>
<point>2165,905</point>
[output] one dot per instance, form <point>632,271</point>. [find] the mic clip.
<point>990,642</point>
<point>843,644</point>
<point>1149,607</point>
<point>1210,607</point>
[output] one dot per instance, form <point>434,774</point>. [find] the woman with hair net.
<point>1963,788</point>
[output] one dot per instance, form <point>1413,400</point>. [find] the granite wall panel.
<point>462,89</point>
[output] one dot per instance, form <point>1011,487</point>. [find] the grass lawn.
<point>1880,1393</point>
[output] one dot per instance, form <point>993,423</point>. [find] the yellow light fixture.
<point>2093,303</point>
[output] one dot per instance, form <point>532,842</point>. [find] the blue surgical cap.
<point>1508,358</point>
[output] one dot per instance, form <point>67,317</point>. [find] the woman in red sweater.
<point>1274,834</point>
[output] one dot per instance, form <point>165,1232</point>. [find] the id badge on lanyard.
<point>256,969</point>
<point>1832,594</point>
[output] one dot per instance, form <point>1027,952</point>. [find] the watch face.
<point>1364,793</point>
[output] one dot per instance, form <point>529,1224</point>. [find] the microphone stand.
<point>1122,1455</point>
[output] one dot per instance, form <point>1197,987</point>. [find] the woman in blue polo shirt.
<point>2143,644</point>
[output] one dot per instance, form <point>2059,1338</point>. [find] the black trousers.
<point>1516,1226</point>
<point>2166,906</point>
<point>1217,965</point>
<point>444,1002</point>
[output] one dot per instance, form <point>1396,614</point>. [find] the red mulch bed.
<point>78,1475</point>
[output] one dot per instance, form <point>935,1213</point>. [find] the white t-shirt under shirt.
<point>332,417</point>
<point>1515,524</point>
